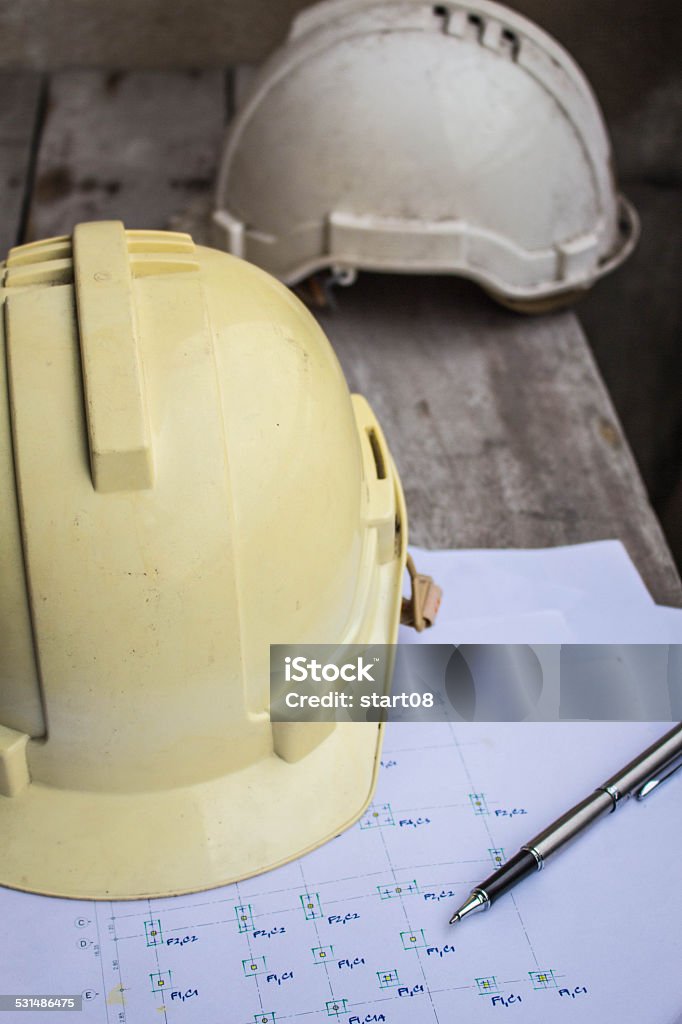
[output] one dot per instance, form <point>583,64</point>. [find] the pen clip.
<point>655,780</point>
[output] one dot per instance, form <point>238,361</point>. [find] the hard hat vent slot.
<point>510,41</point>
<point>476,22</point>
<point>378,454</point>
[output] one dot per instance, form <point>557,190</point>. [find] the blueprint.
<point>357,932</point>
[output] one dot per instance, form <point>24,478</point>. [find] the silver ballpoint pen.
<point>639,778</point>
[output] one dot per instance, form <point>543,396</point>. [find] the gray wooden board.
<point>502,430</point>
<point>19,114</point>
<point>137,146</point>
<point>136,34</point>
<point>500,425</point>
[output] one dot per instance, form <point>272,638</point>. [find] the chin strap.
<point>421,607</point>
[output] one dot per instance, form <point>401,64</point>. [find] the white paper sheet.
<point>594,588</point>
<point>357,931</point>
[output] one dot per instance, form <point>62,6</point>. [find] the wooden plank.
<point>640,356</point>
<point>138,147</point>
<point>19,121</point>
<point>500,425</point>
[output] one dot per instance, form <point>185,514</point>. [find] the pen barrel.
<point>571,824</point>
<point>652,760</point>
<point>510,874</point>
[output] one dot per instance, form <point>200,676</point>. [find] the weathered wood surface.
<point>634,323</point>
<point>137,146</point>
<point>19,120</point>
<point>502,430</point>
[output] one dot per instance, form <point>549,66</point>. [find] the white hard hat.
<point>402,136</point>
<point>186,480</point>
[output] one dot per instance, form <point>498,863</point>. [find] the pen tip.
<point>477,900</point>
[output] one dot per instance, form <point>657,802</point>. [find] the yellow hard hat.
<point>186,480</point>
